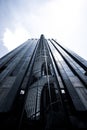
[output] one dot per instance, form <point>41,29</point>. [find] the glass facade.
<point>43,85</point>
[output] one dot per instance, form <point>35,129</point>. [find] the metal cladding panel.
<point>8,100</point>
<point>75,57</point>
<point>76,99</point>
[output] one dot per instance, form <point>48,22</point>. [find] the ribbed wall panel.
<point>42,80</point>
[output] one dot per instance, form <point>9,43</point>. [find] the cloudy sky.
<point>64,20</point>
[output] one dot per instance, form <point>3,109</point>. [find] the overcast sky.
<point>64,20</point>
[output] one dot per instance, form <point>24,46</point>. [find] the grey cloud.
<point>12,14</point>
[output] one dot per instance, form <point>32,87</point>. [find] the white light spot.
<point>22,92</point>
<point>62,91</point>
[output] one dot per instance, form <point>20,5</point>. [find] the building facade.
<point>43,85</point>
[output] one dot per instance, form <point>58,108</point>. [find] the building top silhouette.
<point>43,85</point>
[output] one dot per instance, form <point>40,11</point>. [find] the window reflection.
<point>46,69</point>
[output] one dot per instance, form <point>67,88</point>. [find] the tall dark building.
<point>43,85</point>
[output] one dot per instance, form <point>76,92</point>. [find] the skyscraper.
<point>43,85</point>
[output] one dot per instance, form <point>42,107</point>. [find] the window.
<point>46,69</point>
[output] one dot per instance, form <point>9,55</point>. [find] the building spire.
<point>42,36</point>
